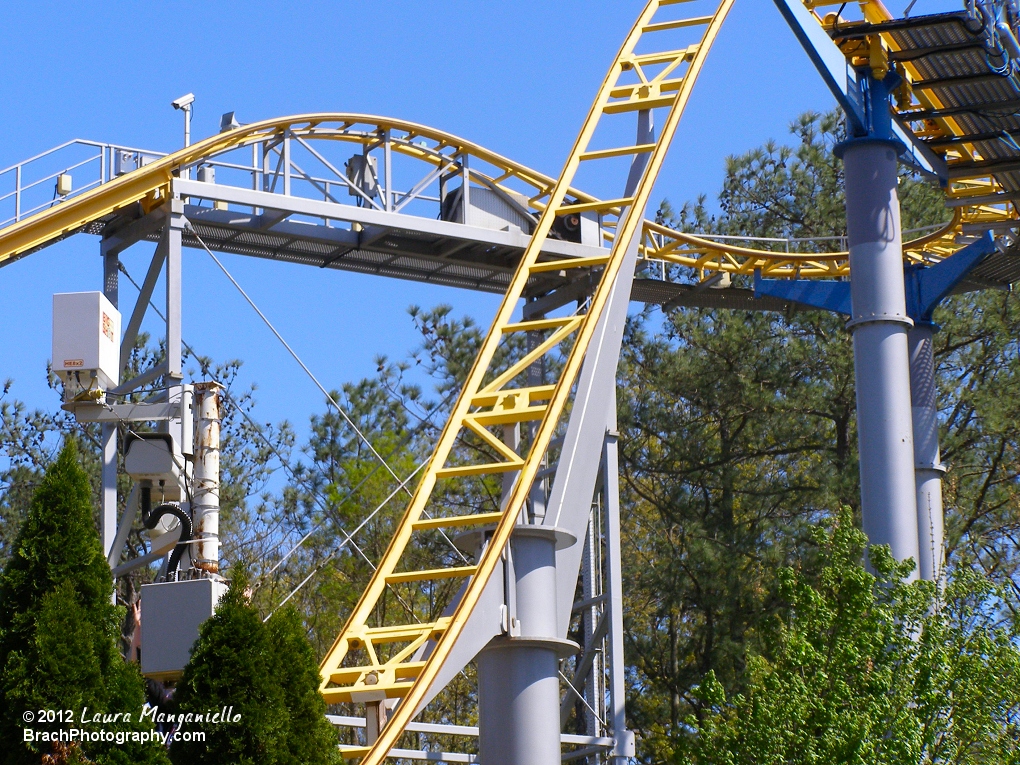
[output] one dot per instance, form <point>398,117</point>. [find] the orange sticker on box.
<point>74,363</point>
<point>108,327</point>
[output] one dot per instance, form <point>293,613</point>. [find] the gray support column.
<point>518,676</point>
<point>880,324</point>
<point>108,521</point>
<point>172,248</point>
<point>928,468</point>
<point>591,590</point>
<point>625,745</point>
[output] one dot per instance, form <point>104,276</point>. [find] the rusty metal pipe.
<point>205,507</point>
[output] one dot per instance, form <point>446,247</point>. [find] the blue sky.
<point>517,78</point>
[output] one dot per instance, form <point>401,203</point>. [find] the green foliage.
<point>310,738</point>
<point>868,669</point>
<point>739,435</point>
<point>232,664</point>
<point>58,628</point>
<point>27,449</point>
<point>268,675</point>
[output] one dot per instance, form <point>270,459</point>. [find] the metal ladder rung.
<point>639,104</point>
<point>350,675</point>
<point>398,632</point>
<point>456,521</point>
<point>663,86</point>
<point>547,471</point>
<point>539,324</point>
<point>510,417</point>
<point>349,752</point>
<point>562,265</point>
<point>606,205</point>
<point>486,469</point>
<point>662,26</point>
<point>538,393</point>
<point>620,151</point>
<point>666,57</point>
<point>454,572</point>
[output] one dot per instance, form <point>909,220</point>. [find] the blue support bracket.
<point>826,295</point>
<point>850,89</point>
<point>926,286</point>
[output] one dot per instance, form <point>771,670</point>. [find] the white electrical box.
<point>172,612</point>
<point>155,457</point>
<point>86,340</point>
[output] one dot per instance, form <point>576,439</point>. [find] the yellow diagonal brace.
<point>532,356</point>
<point>494,443</point>
<point>536,325</point>
<point>678,24</point>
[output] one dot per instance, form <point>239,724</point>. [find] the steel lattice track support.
<point>637,82</point>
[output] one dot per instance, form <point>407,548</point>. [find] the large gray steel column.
<point>928,468</point>
<point>880,325</point>
<point>518,675</point>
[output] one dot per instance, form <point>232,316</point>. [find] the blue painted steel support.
<point>926,286</point>
<point>848,86</point>
<point>825,295</point>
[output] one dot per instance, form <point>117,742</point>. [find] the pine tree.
<point>58,627</point>
<point>268,674</point>
<point>310,739</point>
<point>233,664</point>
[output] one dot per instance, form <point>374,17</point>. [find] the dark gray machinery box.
<point>171,615</point>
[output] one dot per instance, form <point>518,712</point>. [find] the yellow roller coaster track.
<point>656,78</point>
<point>150,186</point>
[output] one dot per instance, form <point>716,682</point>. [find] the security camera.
<point>183,101</point>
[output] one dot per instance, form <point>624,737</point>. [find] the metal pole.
<point>186,173</point>
<point>172,243</point>
<point>928,468</point>
<point>205,508</point>
<point>108,522</point>
<point>880,325</point>
<point>518,676</point>
<point>625,744</point>
<point>591,590</point>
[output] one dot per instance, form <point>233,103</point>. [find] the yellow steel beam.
<point>481,519</point>
<point>472,407</point>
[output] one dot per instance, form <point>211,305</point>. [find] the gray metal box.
<point>171,615</point>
